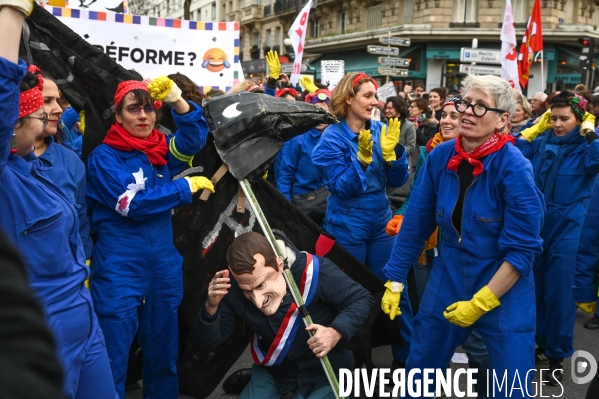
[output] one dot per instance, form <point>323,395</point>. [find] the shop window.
<point>374,17</point>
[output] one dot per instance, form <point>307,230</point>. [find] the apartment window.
<point>521,11</point>
<point>267,37</point>
<point>316,27</point>
<point>213,12</point>
<point>466,11</point>
<point>277,38</point>
<point>256,39</point>
<point>374,17</point>
<point>342,21</point>
<point>168,6</point>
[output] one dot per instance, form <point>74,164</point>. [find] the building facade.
<point>438,29</point>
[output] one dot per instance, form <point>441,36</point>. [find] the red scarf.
<point>493,144</point>
<point>154,146</point>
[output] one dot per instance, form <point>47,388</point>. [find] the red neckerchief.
<point>154,146</point>
<point>493,144</point>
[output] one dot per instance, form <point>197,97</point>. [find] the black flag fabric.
<point>250,128</point>
<point>203,230</point>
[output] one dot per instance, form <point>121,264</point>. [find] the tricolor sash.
<point>292,321</point>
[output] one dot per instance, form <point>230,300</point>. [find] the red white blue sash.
<point>292,321</point>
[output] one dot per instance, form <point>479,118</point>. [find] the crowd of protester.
<point>481,199</point>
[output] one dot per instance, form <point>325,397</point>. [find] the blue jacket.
<point>587,257</point>
<point>64,168</point>
<point>35,213</point>
<point>335,157</point>
<point>340,303</point>
<point>564,169</point>
<point>146,229</point>
<point>501,220</point>
<point>296,174</point>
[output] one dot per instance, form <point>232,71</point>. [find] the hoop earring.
<point>13,146</point>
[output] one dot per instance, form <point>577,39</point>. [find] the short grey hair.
<point>492,86</point>
<point>543,95</point>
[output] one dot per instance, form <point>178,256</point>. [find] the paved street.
<point>584,340</point>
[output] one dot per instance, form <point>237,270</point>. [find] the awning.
<point>448,52</point>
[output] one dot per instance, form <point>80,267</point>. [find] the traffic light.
<point>587,51</point>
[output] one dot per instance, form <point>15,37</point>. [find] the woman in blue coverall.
<point>60,164</point>
<point>137,281</point>
<point>480,190</point>
<point>297,176</point>
<point>42,222</point>
<point>357,159</point>
<point>565,160</point>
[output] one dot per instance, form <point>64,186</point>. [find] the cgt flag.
<point>509,55</point>
<point>532,42</point>
<point>297,34</point>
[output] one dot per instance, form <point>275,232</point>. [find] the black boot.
<point>237,381</point>
<point>540,356</point>
<point>555,375</point>
<point>592,324</point>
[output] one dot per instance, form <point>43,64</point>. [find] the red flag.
<point>531,42</point>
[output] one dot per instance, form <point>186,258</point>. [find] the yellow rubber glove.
<point>543,124</point>
<point>82,121</point>
<point>389,139</point>
<point>365,144</point>
<point>391,297</point>
<point>465,313</point>
<point>307,84</point>
<point>588,124</point>
<point>25,6</point>
<point>587,307</point>
<point>197,183</point>
<point>164,89</point>
<point>274,65</point>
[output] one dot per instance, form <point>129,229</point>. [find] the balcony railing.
<point>288,5</point>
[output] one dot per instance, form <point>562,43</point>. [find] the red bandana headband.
<point>32,99</point>
<point>125,87</point>
<point>364,76</point>
<point>283,92</point>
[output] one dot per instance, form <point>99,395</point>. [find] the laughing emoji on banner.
<point>215,60</point>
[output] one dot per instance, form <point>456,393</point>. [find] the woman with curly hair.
<point>565,160</point>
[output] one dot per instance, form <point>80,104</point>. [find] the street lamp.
<point>289,48</point>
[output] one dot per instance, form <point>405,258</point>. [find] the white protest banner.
<point>297,34</point>
<point>385,91</point>
<point>204,51</point>
<point>332,72</point>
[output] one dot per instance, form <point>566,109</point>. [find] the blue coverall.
<point>358,208</point>
<point>501,221</point>
<point>296,173</point>
<point>43,224</point>
<point>137,281</point>
<point>587,257</point>
<point>564,169</point>
<point>63,167</point>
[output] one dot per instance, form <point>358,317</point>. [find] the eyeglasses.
<point>44,119</point>
<point>136,109</point>
<point>478,109</point>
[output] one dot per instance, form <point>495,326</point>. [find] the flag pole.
<point>297,296</point>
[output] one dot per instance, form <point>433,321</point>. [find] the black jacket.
<point>340,303</point>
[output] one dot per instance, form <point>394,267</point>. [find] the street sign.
<point>288,68</point>
<point>382,50</point>
<point>395,41</point>
<point>404,62</point>
<point>480,69</point>
<point>393,72</point>
<point>482,55</point>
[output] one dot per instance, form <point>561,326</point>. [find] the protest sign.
<point>332,72</point>
<point>204,51</point>
<point>385,91</point>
